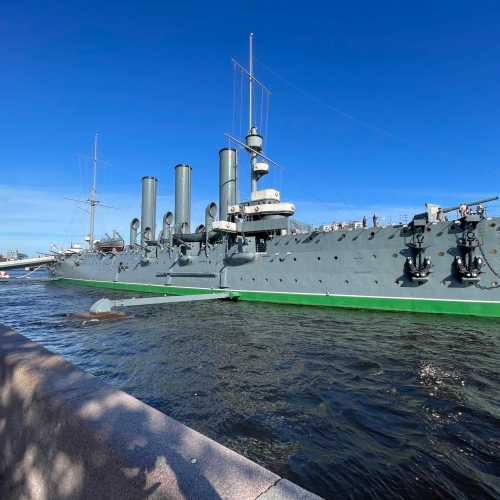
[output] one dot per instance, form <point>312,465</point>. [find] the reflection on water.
<point>349,404</point>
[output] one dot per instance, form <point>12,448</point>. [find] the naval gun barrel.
<point>479,202</point>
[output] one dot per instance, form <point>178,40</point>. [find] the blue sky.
<point>375,106</point>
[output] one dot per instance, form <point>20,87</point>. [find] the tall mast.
<point>250,80</point>
<point>253,141</point>
<point>92,199</point>
<point>251,130</point>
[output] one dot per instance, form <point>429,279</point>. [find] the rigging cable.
<point>261,124</point>
<point>321,102</point>
<point>241,103</point>
<point>266,117</point>
<point>362,123</point>
<point>233,118</point>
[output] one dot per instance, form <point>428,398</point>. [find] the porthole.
<point>441,254</point>
<point>429,229</point>
<point>336,257</point>
<point>494,284</point>
<point>374,256</point>
<point>253,279</point>
<point>296,280</point>
<point>295,259</point>
<point>320,281</point>
<point>267,280</point>
<point>372,234</point>
<point>241,278</point>
<point>395,255</point>
<point>376,282</point>
<point>319,258</point>
<point>281,279</point>
<point>493,224</point>
<point>346,282</point>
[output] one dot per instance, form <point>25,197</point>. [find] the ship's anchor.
<point>468,265</point>
<point>122,267</point>
<point>418,266</point>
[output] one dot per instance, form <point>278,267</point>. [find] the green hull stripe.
<point>491,309</point>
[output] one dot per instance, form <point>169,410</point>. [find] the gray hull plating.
<point>362,262</point>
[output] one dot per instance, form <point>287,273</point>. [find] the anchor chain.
<point>495,273</point>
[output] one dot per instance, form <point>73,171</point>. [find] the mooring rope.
<point>30,273</point>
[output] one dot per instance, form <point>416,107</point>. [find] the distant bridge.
<point>34,262</point>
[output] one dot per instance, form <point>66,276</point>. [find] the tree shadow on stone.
<point>64,434</point>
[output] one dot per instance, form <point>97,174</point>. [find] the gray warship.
<point>445,260</point>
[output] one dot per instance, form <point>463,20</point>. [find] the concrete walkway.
<point>66,435</point>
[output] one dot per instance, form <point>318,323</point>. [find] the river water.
<point>348,404</point>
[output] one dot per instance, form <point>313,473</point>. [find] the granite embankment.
<point>64,434</point>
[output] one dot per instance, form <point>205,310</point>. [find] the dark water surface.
<point>348,404</point>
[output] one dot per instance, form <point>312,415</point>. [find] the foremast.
<point>254,216</point>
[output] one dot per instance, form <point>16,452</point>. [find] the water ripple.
<point>349,404</point>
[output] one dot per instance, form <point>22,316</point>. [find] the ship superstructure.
<point>255,249</point>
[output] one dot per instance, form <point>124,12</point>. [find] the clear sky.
<point>375,106</point>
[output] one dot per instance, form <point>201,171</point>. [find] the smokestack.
<point>148,212</point>
<point>227,180</point>
<point>182,198</point>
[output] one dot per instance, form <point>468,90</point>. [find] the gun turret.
<point>435,213</point>
<point>468,204</point>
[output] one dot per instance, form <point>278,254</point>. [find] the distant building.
<point>16,255</point>
<point>298,227</point>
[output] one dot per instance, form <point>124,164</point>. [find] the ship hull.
<point>362,268</point>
